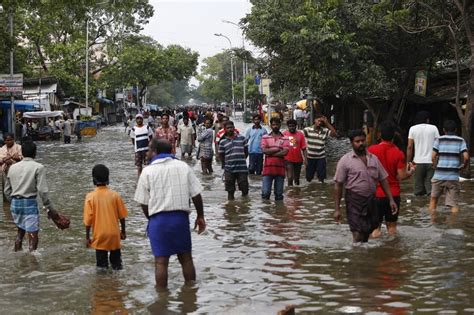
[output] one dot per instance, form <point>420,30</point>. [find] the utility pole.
<point>231,69</point>
<point>12,98</point>
<point>87,64</point>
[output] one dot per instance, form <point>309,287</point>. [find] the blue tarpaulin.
<point>20,105</point>
<point>105,100</point>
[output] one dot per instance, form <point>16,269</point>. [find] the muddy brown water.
<point>255,257</point>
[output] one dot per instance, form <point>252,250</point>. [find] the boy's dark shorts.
<point>384,210</point>
<point>231,178</point>
<point>140,158</point>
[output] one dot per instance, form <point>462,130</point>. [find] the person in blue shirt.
<point>254,136</point>
<point>448,152</point>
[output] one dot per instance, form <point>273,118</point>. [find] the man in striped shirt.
<point>448,150</point>
<point>233,149</point>
<point>316,137</point>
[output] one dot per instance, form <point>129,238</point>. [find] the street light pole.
<point>244,66</point>
<point>87,64</point>
<point>12,98</point>
<point>231,69</point>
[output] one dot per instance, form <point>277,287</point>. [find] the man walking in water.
<point>26,180</point>
<point>394,162</point>
<point>448,152</point>
<point>316,137</point>
<point>420,140</point>
<point>358,173</point>
<point>141,134</point>
<point>163,190</point>
<point>167,131</point>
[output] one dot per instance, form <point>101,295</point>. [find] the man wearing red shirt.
<point>275,147</point>
<point>394,162</point>
<point>296,153</point>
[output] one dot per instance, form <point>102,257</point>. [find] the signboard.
<point>265,87</point>
<point>11,84</point>
<point>421,79</point>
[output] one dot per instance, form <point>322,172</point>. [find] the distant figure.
<point>254,136</point>
<point>358,173</point>
<point>167,131</point>
<point>163,190</point>
<point>141,135</point>
<point>67,131</point>
<point>10,153</point>
<point>296,155</point>
<point>448,152</point>
<point>77,128</point>
<point>186,137</point>
<point>233,150</point>
<point>316,137</point>
<point>26,180</point>
<point>205,152</point>
<point>275,146</point>
<point>394,162</point>
<point>104,209</point>
<point>128,124</point>
<point>420,141</point>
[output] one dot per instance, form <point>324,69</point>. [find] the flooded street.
<point>255,257</point>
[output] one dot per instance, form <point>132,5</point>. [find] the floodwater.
<point>255,257</point>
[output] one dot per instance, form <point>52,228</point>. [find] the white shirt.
<point>167,185</point>
<point>141,136</point>
<point>423,135</point>
<point>186,132</point>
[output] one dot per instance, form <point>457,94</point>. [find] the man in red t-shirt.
<point>296,153</point>
<point>394,162</point>
<point>274,147</point>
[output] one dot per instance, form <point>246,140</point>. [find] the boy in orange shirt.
<point>103,209</point>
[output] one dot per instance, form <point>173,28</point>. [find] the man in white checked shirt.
<point>163,190</point>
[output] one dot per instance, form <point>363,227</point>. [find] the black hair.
<point>256,116</point>
<point>229,122</point>
<point>28,149</point>
<point>8,134</point>
<point>318,115</point>
<point>160,146</point>
<point>421,117</point>
<point>356,133</point>
<point>100,175</point>
<point>291,122</point>
<point>165,114</point>
<point>450,126</point>
<point>387,131</point>
<point>208,118</point>
<point>276,120</point>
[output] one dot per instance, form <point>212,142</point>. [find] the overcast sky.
<point>193,23</point>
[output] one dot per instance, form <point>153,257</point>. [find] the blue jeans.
<point>318,167</point>
<point>267,186</point>
<point>255,163</point>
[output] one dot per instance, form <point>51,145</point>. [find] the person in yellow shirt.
<point>103,210</point>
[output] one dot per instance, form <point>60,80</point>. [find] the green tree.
<point>52,34</point>
<point>455,17</point>
<point>143,62</point>
<point>344,48</point>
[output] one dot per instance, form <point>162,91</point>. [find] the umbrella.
<point>301,104</point>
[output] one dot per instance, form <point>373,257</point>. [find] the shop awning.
<point>20,105</point>
<point>43,114</point>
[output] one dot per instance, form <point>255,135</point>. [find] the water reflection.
<point>255,258</point>
<point>183,302</point>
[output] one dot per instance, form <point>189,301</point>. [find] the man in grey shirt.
<point>25,182</point>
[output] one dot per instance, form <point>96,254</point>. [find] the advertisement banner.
<point>11,84</point>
